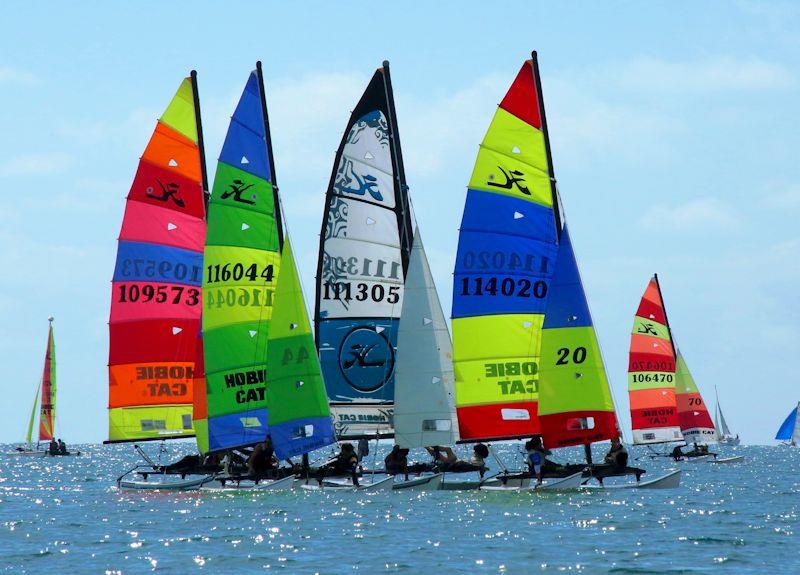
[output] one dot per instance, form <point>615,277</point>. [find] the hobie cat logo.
<point>168,192</point>
<point>366,359</point>
<point>236,189</point>
<point>513,178</point>
<point>647,329</point>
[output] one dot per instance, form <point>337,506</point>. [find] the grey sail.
<point>424,410</point>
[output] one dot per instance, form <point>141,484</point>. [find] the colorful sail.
<point>363,257</point>
<point>156,291</point>
<point>241,268</point>
<point>47,409</point>
<point>506,254</point>
<point>651,372</point>
<point>299,419</point>
<point>790,428</point>
<point>424,409</point>
<point>575,402</point>
<point>693,416</point>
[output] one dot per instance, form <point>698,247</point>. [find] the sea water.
<point>65,516</point>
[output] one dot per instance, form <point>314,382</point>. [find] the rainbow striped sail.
<point>156,292</point>
<point>261,372</point>
<point>651,372</point>
<point>507,249</point>
<point>364,251</point>
<point>47,409</point>
<point>693,416</point>
<point>575,402</point>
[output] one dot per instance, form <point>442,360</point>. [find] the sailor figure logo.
<point>646,329</point>
<point>350,182</point>
<point>513,178</point>
<point>366,358</point>
<point>236,189</point>
<point>168,192</point>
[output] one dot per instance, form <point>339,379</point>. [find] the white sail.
<point>424,411</point>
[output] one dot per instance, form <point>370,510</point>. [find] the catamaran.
<point>666,404</point>
<point>46,407</point>
<point>789,432</point>
<point>723,431</point>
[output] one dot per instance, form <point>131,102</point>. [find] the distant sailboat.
<point>723,431</point>
<point>789,431</point>
<point>46,390</point>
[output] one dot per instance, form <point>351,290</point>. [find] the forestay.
<point>506,253</point>
<point>156,292</point>
<point>424,410</point>
<point>363,256</point>
<point>651,372</point>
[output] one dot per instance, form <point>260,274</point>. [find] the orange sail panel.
<point>47,410</point>
<point>651,372</point>
<point>156,291</point>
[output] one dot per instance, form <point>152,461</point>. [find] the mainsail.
<point>790,428</point>
<point>575,402</point>
<point>156,291</point>
<point>47,410</point>
<point>506,254</point>
<point>693,416</point>
<point>363,258</point>
<point>651,372</point>
<point>241,269</point>
<point>719,419</point>
<point>424,409</point>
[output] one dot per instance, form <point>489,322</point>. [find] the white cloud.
<point>706,75</point>
<point>16,77</point>
<point>695,215</point>
<point>35,164</point>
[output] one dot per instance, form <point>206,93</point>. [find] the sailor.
<point>53,450</point>
<point>442,456</point>
<point>617,456</point>
<point>677,454</point>
<point>262,460</point>
<point>397,461</point>
<point>347,462</point>
<point>536,457</point>
<point>62,447</point>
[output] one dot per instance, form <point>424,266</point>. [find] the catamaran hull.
<point>428,483</point>
<point>26,453</point>
<point>182,485</point>
<point>330,485</point>
<point>669,480</point>
<point>570,482</point>
<point>232,485</point>
<point>725,460</point>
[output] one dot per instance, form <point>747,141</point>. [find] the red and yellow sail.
<point>156,292</point>
<point>651,372</point>
<point>693,416</point>
<point>47,409</point>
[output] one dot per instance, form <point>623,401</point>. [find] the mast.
<point>666,319</point>
<point>543,115</point>
<point>406,237</point>
<point>268,136</point>
<point>200,142</point>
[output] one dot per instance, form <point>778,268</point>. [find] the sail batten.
<point>365,242</point>
<point>156,288</point>
<point>507,248</point>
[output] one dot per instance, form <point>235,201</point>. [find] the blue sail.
<point>787,428</point>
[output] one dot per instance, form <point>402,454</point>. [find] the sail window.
<point>186,419</point>
<point>579,423</point>
<point>436,425</point>
<point>250,422</point>
<point>648,436</point>
<point>515,414</point>
<point>153,424</point>
<point>303,431</point>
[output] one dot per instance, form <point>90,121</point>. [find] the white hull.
<point>570,482</point>
<point>724,460</point>
<point>232,485</point>
<point>181,485</point>
<point>26,453</point>
<point>425,483</point>
<point>347,485</point>
<point>669,480</point>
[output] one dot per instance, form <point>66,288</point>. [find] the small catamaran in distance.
<point>723,431</point>
<point>665,402</point>
<point>522,333</point>
<point>789,432</point>
<point>46,390</point>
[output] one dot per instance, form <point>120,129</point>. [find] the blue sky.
<point>675,140</point>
